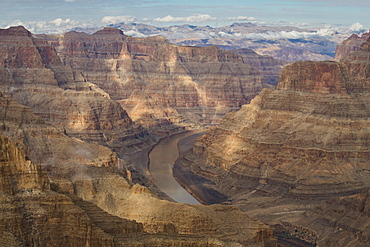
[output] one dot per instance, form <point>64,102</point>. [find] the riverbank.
<point>161,160</point>
<point>197,186</point>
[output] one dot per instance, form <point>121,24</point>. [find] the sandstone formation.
<point>159,83</point>
<point>282,157</point>
<point>268,66</point>
<point>33,74</point>
<point>358,64</point>
<point>33,213</point>
<point>52,116</point>
<point>349,45</point>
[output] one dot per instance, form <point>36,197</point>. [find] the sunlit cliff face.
<point>137,72</point>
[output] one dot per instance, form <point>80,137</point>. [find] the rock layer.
<point>349,45</point>
<point>33,74</point>
<point>268,66</point>
<point>295,147</point>
<point>33,215</point>
<point>154,79</point>
<point>90,199</point>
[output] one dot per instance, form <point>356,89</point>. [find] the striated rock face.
<point>17,173</point>
<point>33,74</point>
<point>60,118</point>
<point>268,66</point>
<point>63,157</point>
<point>294,148</point>
<point>154,79</point>
<point>358,64</point>
<point>32,215</point>
<point>343,221</point>
<point>349,45</point>
<point>324,77</point>
<point>217,222</point>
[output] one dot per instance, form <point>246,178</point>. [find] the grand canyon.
<point>280,158</point>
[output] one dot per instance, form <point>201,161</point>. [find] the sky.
<point>48,16</point>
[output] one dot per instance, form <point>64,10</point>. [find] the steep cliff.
<point>32,73</point>
<point>33,215</point>
<point>295,147</point>
<point>158,82</point>
<point>90,199</point>
<point>269,67</point>
<point>349,45</point>
<point>358,64</point>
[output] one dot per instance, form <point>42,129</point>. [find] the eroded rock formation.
<point>349,45</point>
<point>33,213</point>
<point>268,66</point>
<point>158,82</point>
<point>293,148</point>
<point>33,74</point>
<point>59,120</point>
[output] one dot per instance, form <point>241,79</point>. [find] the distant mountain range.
<point>281,42</point>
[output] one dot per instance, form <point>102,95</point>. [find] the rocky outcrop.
<point>155,80</point>
<point>349,45</point>
<point>90,199</point>
<point>342,221</point>
<point>33,74</point>
<point>220,222</point>
<point>33,215</point>
<point>45,145</point>
<point>358,64</point>
<point>295,147</point>
<point>268,66</point>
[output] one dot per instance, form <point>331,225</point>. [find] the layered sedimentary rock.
<point>268,66</point>
<point>33,215</point>
<point>358,64</point>
<point>294,148</point>
<point>28,203</point>
<point>32,73</point>
<point>156,80</point>
<point>95,173</point>
<point>57,129</point>
<point>342,221</point>
<point>349,45</point>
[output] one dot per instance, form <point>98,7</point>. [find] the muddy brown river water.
<point>162,158</point>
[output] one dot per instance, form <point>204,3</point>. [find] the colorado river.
<point>162,159</point>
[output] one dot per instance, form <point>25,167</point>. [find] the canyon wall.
<point>159,83</point>
<point>33,74</point>
<point>269,67</point>
<point>89,200</point>
<point>282,157</point>
<point>84,195</point>
<point>349,45</point>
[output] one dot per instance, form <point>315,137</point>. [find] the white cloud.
<point>69,1</point>
<point>134,33</point>
<point>193,18</point>
<point>117,19</point>
<point>241,18</point>
<point>281,35</point>
<point>355,27</point>
<point>56,26</point>
<point>59,22</point>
